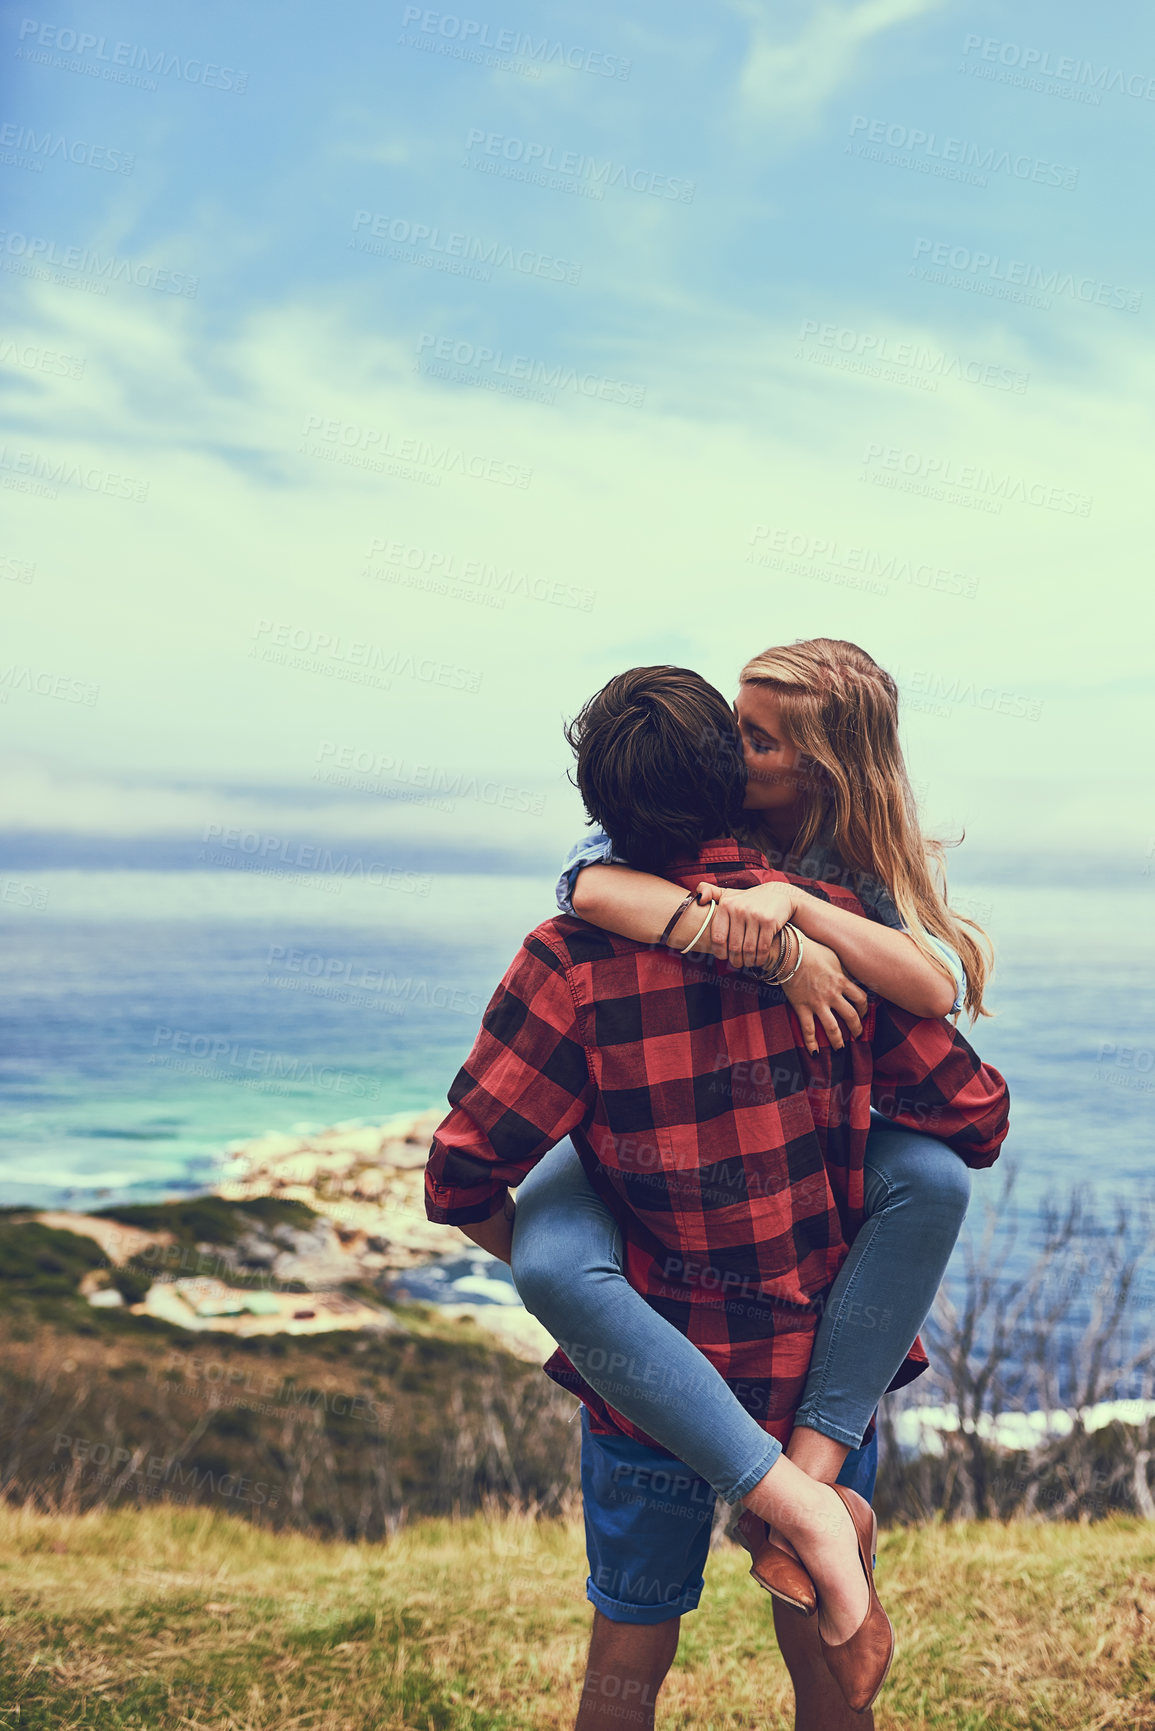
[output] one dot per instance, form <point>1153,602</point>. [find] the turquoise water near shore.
<point>153,1017</point>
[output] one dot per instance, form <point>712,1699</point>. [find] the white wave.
<point>920,1430</point>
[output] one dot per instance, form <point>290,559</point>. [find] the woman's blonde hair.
<point>841,708</point>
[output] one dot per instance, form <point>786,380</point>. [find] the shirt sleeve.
<point>595,848</point>
<point>927,1077</point>
<point>953,961</point>
<point>524,1086</point>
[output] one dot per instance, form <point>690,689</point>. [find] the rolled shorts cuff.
<point>620,1611</point>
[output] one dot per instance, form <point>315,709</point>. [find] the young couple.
<point>741,1126</point>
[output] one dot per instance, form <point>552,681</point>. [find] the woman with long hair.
<point>828,798</point>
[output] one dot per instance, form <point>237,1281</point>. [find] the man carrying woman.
<point>719,1140</point>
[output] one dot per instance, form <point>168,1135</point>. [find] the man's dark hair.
<point>659,764</point>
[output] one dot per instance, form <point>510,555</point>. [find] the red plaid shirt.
<point>731,1158</point>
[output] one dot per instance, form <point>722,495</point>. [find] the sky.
<point>376,384</point>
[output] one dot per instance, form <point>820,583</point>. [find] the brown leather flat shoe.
<point>859,1665</point>
<point>774,1568</point>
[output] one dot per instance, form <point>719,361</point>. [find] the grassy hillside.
<point>343,1434</point>
<point>190,1620</point>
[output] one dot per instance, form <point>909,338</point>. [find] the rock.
<point>297,1169</point>
<point>318,1270</point>
<point>118,1241</point>
<point>425,1124</point>
<point>246,1313</point>
<point>353,1143</point>
<point>514,1329</point>
<point>255,1251</point>
<point>366,1181</point>
<point>264,1148</point>
<point>405,1156</point>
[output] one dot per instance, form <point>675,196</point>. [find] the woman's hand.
<point>744,931</point>
<point>822,990</point>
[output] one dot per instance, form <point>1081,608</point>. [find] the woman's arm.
<point>744,931</point>
<point>887,961</point>
<point>635,905</point>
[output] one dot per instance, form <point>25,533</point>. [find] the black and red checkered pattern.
<point>731,1158</point>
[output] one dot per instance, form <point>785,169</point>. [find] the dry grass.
<point>188,1620</point>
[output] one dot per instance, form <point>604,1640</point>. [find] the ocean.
<point>152,1018</point>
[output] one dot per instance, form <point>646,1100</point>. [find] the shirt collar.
<point>721,854</point>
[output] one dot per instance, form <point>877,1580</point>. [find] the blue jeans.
<point>567,1267</point>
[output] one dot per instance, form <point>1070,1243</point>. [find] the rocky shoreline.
<point>368,1181</point>
<point>365,1186</point>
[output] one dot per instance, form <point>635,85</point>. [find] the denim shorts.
<point>648,1521</point>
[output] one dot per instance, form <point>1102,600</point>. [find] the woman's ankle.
<point>787,1498</point>
<point>819,1457</point>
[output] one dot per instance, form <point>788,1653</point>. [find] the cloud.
<point>649,509</point>
<point>792,78</point>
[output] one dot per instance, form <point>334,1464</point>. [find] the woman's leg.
<point>917,1192</point>
<point>567,1267</point>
